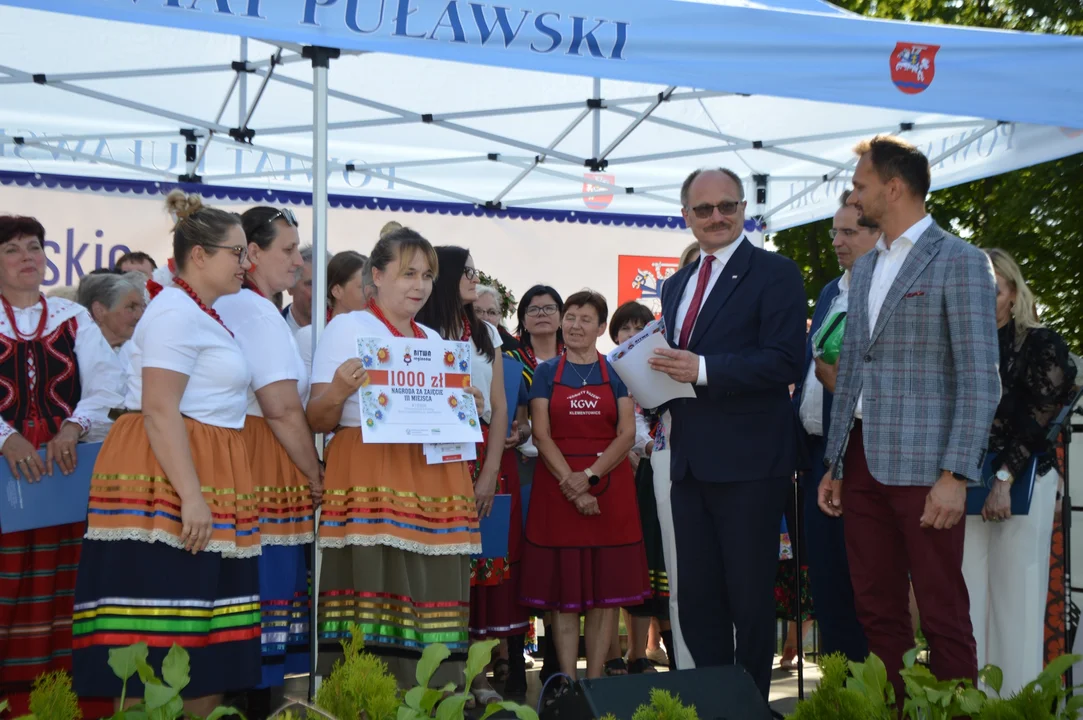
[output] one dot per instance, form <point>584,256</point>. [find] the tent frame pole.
<point>321,60</point>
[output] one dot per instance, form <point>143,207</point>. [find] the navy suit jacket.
<point>823,304</point>
<point>741,426</point>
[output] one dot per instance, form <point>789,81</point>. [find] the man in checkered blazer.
<point>917,389</point>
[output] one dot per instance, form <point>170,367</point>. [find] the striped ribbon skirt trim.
<point>402,601</point>
<point>130,591</point>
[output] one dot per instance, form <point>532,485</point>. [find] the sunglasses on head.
<point>284,214</point>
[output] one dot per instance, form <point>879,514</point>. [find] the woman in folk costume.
<point>58,380</point>
<point>172,542</point>
<point>583,552</point>
<point>494,603</point>
<point>396,532</point>
<point>283,458</point>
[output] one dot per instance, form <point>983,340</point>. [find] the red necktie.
<point>697,300</point>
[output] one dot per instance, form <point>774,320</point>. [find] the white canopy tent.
<point>778,90</point>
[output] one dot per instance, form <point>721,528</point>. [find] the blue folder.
<point>55,500</point>
<point>1021,492</point>
<point>495,528</point>
<point>513,380</point>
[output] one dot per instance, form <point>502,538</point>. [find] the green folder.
<point>827,342</point>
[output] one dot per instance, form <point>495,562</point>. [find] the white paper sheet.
<point>439,453</point>
<point>650,388</point>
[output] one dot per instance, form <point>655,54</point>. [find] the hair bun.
<point>183,205</point>
<point>390,228</point>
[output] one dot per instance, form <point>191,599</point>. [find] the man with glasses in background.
<point>825,545</point>
<point>736,319</point>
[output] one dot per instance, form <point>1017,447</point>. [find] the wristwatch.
<point>591,477</point>
<point>1004,476</point>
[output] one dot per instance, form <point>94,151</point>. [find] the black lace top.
<point>1036,382</point>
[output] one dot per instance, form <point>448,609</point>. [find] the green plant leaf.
<point>1073,706</point>
<point>433,696</point>
<point>523,712</point>
<point>412,699</point>
<point>222,711</point>
<point>157,696</point>
<point>174,708</point>
<point>910,658</point>
<point>431,658</point>
<point>146,673</point>
<point>993,677</point>
<point>175,667</point>
<point>971,701</point>
<point>478,657</point>
<point>133,714</point>
<point>125,661</point>
<point>874,676</point>
<point>407,713</point>
<point>1058,667</point>
<point>451,708</point>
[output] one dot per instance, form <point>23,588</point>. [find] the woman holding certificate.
<point>397,533</point>
<point>584,541</point>
<point>60,380</point>
<point>494,601</point>
<point>283,458</point>
<point>172,542</point>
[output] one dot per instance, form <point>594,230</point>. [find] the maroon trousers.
<point>887,549</point>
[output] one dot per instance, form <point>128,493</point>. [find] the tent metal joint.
<point>629,191</point>
<point>39,78</point>
<point>494,157</point>
<point>242,66</point>
<point>242,135</point>
<point>426,117</point>
<point>595,164</point>
<point>190,134</point>
<point>191,178</point>
<point>320,56</point>
<point>595,104</point>
<point>19,140</point>
<point>757,144</point>
<point>906,127</point>
<point>493,205</point>
<point>761,188</point>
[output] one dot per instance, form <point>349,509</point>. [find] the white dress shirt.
<point>889,260</point>
<point>721,258</point>
<point>812,392</point>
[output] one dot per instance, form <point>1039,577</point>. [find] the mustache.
<point>717,226</point>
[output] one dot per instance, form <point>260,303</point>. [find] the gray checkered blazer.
<point>929,371</point>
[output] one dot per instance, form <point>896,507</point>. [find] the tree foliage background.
<point>1036,214</point>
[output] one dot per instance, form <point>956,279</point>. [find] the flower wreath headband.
<point>507,299</point>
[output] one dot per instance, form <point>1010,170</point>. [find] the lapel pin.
<point>734,277</point>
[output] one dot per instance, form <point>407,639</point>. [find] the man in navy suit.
<point>825,543</point>
<point>736,318</point>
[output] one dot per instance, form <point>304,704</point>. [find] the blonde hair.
<point>196,224</point>
<point>1024,310</point>
<point>390,228</point>
<point>689,255</point>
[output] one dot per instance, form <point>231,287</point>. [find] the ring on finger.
<point>67,452</point>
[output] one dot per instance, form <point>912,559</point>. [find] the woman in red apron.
<point>584,542</point>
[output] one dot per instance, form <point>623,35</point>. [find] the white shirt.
<point>721,258</point>
<point>889,260</point>
<point>481,372</point>
<point>291,322</point>
<point>175,334</point>
<point>266,341</point>
<point>100,373</point>
<point>643,435</point>
<point>303,338</point>
<point>338,343</point>
<point>812,392</point>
